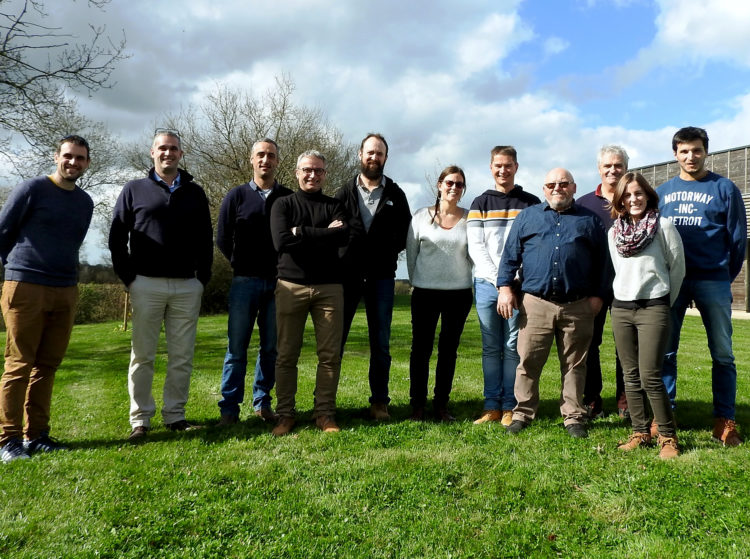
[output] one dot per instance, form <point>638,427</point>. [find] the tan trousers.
<point>39,320</point>
<point>325,304</point>
<point>571,326</point>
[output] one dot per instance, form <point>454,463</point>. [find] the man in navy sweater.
<point>162,249</point>
<point>308,229</point>
<point>243,236</point>
<point>42,226</point>
<point>708,212</point>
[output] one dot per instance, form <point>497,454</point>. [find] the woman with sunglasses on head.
<point>649,267</point>
<point>439,267</point>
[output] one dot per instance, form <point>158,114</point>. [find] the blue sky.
<point>446,81</point>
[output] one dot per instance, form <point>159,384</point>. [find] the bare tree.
<point>218,135</point>
<point>38,61</point>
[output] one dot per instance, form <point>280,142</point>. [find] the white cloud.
<point>555,45</point>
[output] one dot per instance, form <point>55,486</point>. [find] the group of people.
<point>536,271</point>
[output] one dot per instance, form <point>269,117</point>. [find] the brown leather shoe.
<point>635,440</point>
<point>654,429</point>
<point>266,414</point>
<point>327,424</point>
<point>379,411</point>
<point>507,417</point>
<point>725,432</point>
<point>285,424</point>
<point>225,420</point>
<point>668,447</point>
<point>137,434</point>
<point>489,415</point>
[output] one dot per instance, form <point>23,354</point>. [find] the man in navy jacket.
<point>162,249</point>
<point>243,235</point>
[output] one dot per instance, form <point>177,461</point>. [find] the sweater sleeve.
<point>225,225</point>
<point>737,230</point>
<point>675,258</point>
<point>119,235</point>
<point>477,243</point>
<point>206,248</point>
<point>11,217</point>
<point>412,245</point>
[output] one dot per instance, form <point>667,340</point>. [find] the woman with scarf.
<point>649,267</point>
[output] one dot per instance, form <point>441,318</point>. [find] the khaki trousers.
<point>571,326</point>
<point>325,304</point>
<point>39,320</point>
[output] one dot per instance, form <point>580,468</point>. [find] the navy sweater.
<point>156,233</point>
<point>243,232</point>
<point>312,255</point>
<point>42,227</point>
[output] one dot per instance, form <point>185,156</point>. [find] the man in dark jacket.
<point>379,220</point>
<point>162,249</point>
<point>243,235</point>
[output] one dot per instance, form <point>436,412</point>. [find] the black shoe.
<point>138,433</point>
<point>181,425</point>
<point>516,426</point>
<point>417,413</point>
<point>43,443</point>
<point>577,430</point>
<point>443,415</point>
<point>13,450</point>
<point>228,420</point>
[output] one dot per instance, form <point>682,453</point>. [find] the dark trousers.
<point>641,336</point>
<point>592,391</point>
<point>427,306</point>
<point>378,297</point>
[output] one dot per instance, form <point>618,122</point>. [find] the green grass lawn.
<point>394,490</point>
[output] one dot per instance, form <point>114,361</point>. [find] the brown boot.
<point>327,424</point>
<point>635,440</point>
<point>489,415</point>
<point>725,432</point>
<point>379,411</point>
<point>668,447</point>
<point>283,427</point>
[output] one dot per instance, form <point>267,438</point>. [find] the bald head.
<point>559,188</point>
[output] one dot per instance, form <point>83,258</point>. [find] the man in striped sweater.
<point>491,215</point>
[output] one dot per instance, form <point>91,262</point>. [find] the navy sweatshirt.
<point>312,255</point>
<point>42,227</point>
<point>156,233</point>
<point>243,231</point>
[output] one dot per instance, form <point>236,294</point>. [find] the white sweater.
<point>656,271</point>
<point>437,258</point>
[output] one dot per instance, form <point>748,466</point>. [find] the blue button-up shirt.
<point>561,255</point>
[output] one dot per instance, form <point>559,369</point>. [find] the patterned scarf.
<point>632,238</point>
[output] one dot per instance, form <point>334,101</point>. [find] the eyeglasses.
<point>167,131</point>
<point>457,184</point>
<point>561,184</point>
<point>312,170</point>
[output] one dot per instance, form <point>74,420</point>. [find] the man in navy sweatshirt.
<point>308,229</point>
<point>708,212</point>
<point>162,248</point>
<point>243,235</point>
<point>42,226</point>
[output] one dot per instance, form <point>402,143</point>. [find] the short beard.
<point>370,172</point>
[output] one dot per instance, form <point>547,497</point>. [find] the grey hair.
<point>266,141</point>
<point>614,150</point>
<point>310,153</point>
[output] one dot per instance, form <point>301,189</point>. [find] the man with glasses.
<point>42,226</point>
<point>162,249</point>
<point>490,218</point>
<point>308,228</point>
<point>243,235</point>
<point>379,218</point>
<point>612,163</point>
<point>562,248</point>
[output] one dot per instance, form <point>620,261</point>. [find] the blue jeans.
<point>714,301</point>
<point>499,354</point>
<point>249,299</point>
<point>378,296</point>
